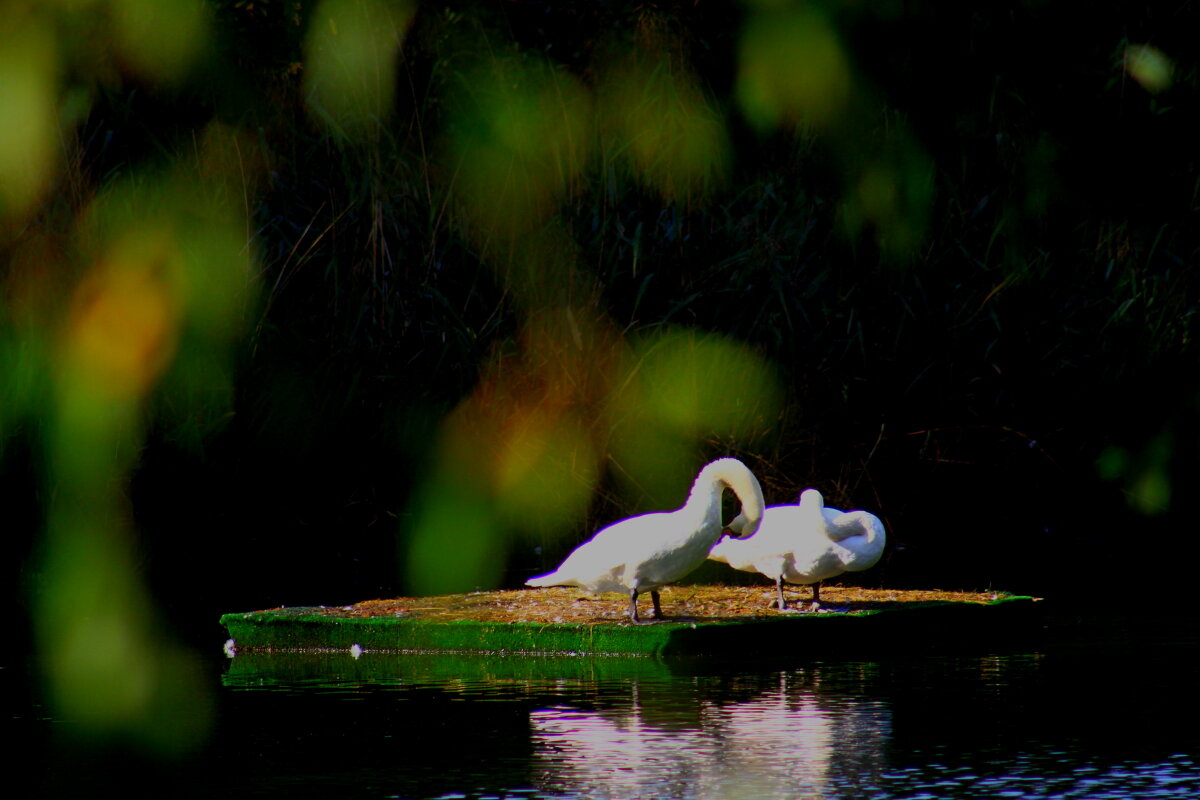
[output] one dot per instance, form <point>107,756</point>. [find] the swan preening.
<point>645,552</point>
<point>804,543</point>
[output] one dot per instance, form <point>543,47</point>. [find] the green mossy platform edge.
<point>264,668</point>
<point>914,628</point>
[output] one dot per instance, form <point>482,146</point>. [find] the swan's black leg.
<point>779,588</point>
<point>633,615</point>
<point>817,593</point>
<point>658,614</point>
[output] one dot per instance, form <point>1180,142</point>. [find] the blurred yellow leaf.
<point>546,470</point>
<point>29,89</point>
<point>124,322</point>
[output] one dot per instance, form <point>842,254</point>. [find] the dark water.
<point>1085,721</point>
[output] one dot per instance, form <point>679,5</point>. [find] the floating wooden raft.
<point>703,621</point>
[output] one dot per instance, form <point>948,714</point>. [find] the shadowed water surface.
<point>1071,722</point>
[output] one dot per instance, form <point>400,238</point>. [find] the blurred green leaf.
<point>29,74</point>
<point>161,41</point>
<point>521,134</point>
<point>1150,67</point>
<point>792,68</point>
<point>657,117</point>
<point>351,56</point>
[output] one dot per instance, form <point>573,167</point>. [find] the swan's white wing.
<point>790,542</point>
<point>813,563</point>
<point>845,524</point>
<point>862,538</point>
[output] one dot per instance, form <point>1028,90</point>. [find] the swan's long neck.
<point>705,497</point>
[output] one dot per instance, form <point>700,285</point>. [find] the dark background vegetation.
<point>1015,393</point>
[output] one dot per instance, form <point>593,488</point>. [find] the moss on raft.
<point>709,621</point>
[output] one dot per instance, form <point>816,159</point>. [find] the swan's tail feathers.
<point>549,579</point>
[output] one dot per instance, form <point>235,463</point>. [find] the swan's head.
<point>736,529</point>
<point>752,517</point>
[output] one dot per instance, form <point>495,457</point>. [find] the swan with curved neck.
<point>645,552</point>
<point>804,544</point>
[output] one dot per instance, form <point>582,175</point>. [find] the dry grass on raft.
<point>565,604</point>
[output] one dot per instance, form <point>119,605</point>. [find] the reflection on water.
<point>1083,724</point>
<point>788,740</point>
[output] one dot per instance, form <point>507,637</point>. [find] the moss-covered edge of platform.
<point>922,625</point>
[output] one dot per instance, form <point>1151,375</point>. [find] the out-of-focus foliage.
<point>530,264</point>
<point>524,453</point>
<point>889,195</point>
<point>655,116</point>
<point>1149,66</point>
<point>519,137</point>
<point>522,456</point>
<point>792,67</point>
<point>1145,476</point>
<point>794,73</point>
<point>159,42</point>
<point>29,72</point>
<point>122,303</point>
<point>681,387</point>
<point>351,56</point>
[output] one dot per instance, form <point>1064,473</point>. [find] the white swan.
<point>644,552</point>
<point>804,544</point>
